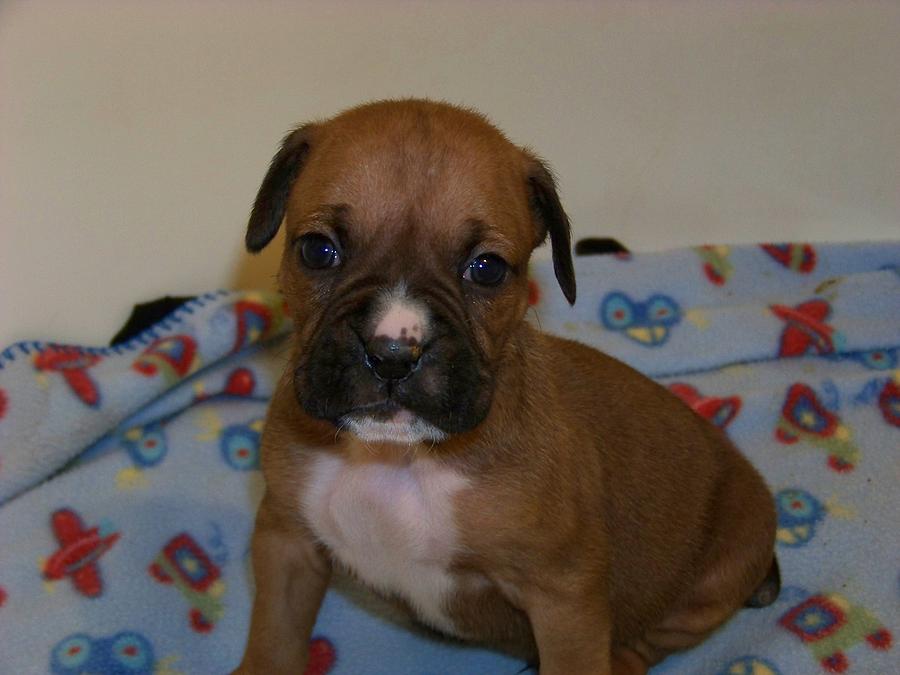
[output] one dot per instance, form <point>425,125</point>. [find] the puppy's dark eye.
<point>318,251</point>
<point>487,269</point>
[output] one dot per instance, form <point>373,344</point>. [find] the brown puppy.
<point>506,486</point>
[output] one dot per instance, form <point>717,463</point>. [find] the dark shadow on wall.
<point>258,271</point>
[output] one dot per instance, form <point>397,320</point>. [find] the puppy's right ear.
<point>271,200</point>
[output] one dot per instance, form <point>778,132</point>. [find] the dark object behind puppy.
<point>506,486</point>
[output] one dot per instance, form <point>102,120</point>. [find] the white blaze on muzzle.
<point>400,317</point>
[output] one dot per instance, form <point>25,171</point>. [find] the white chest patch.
<point>392,525</point>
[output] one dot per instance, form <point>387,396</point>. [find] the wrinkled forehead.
<point>438,182</point>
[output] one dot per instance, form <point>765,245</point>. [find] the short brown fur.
<point>614,526</point>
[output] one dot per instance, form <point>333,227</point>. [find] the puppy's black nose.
<point>392,359</point>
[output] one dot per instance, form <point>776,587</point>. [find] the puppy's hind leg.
<point>737,570</point>
<point>628,662</point>
<point>767,592</point>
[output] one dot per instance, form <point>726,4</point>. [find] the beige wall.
<point>133,135</point>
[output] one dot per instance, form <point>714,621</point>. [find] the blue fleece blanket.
<point>129,475</point>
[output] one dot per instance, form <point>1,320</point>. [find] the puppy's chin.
<point>403,427</point>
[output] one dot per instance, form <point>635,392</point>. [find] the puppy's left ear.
<point>271,200</point>
<point>551,219</point>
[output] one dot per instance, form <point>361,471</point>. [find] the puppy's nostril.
<point>392,359</point>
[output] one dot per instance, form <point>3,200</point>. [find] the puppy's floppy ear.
<point>551,219</point>
<point>268,209</point>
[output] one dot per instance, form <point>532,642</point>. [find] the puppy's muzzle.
<point>393,355</point>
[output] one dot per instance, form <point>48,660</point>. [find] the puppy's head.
<point>409,229</point>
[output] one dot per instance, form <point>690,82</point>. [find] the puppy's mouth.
<point>387,422</point>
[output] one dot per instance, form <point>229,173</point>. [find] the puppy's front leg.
<point>572,630</point>
<point>292,575</point>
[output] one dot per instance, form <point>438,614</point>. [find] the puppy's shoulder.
<point>579,362</point>
<point>587,378</point>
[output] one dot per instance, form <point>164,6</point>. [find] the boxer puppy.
<point>506,486</point>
